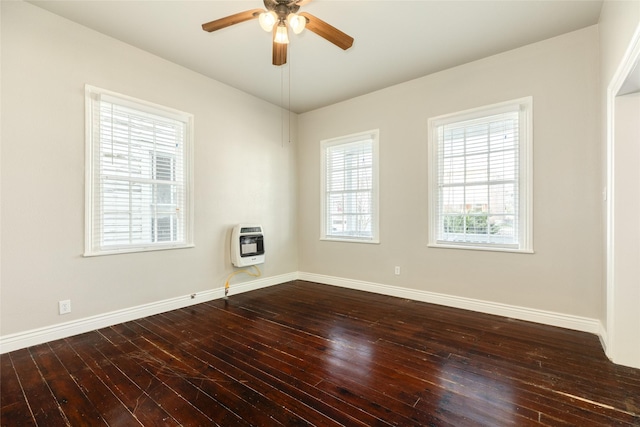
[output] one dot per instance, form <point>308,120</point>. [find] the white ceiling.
<point>395,41</point>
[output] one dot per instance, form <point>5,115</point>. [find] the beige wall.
<point>243,173</point>
<point>564,275</point>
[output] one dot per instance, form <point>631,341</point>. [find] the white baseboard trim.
<point>604,341</point>
<point>62,330</point>
<point>568,321</point>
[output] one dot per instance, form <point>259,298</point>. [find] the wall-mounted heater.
<point>247,245</point>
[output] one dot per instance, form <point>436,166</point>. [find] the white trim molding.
<point>611,339</point>
<point>568,321</point>
<point>62,330</point>
<point>521,176</point>
<point>349,145</point>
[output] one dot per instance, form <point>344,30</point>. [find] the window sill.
<point>138,249</point>
<point>480,248</point>
<point>354,240</point>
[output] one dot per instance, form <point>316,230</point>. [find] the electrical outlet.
<point>397,271</point>
<point>64,307</point>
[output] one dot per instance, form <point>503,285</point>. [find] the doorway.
<point>623,211</point>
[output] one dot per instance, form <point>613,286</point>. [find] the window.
<point>350,188</point>
<point>480,178</point>
<point>138,183</point>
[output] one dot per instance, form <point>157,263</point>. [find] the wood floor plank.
<point>77,407</point>
<point>307,354</point>
<point>180,367</point>
<point>43,403</point>
<point>420,387</point>
<point>392,375</point>
<point>529,400</point>
<point>10,389</point>
<point>265,410</point>
<point>267,309</point>
<point>267,392</point>
<point>136,399</point>
<point>110,407</point>
<point>150,372</point>
<point>579,380</point>
<point>279,373</point>
<point>302,368</point>
<point>12,401</point>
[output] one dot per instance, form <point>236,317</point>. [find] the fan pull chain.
<point>289,102</point>
<point>282,106</point>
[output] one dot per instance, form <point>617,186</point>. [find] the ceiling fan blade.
<point>279,53</point>
<point>328,32</point>
<point>302,2</point>
<point>231,20</point>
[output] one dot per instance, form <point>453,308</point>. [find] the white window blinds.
<point>139,187</point>
<point>350,188</point>
<point>480,194</point>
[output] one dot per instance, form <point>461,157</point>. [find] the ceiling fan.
<point>279,13</point>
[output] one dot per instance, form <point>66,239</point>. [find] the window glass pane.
<point>453,170</point>
<point>452,200</point>
<point>452,142</point>
<point>363,225</point>
<point>349,186</point>
<point>503,166</point>
<point>138,185</point>
<point>476,198</point>
<point>336,181</point>
<point>476,139</point>
<point>502,199</point>
<point>476,168</point>
<point>504,134</point>
<point>478,172</point>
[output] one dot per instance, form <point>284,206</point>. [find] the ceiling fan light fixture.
<point>296,22</point>
<point>278,16</point>
<point>267,20</point>
<point>281,36</point>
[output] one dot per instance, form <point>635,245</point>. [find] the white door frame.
<point>629,61</point>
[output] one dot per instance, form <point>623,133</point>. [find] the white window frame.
<point>524,244</point>
<point>93,181</point>
<point>370,135</point>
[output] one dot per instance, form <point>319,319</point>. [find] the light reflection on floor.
<point>349,354</point>
<point>462,390</point>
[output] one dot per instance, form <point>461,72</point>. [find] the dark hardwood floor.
<point>308,354</point>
